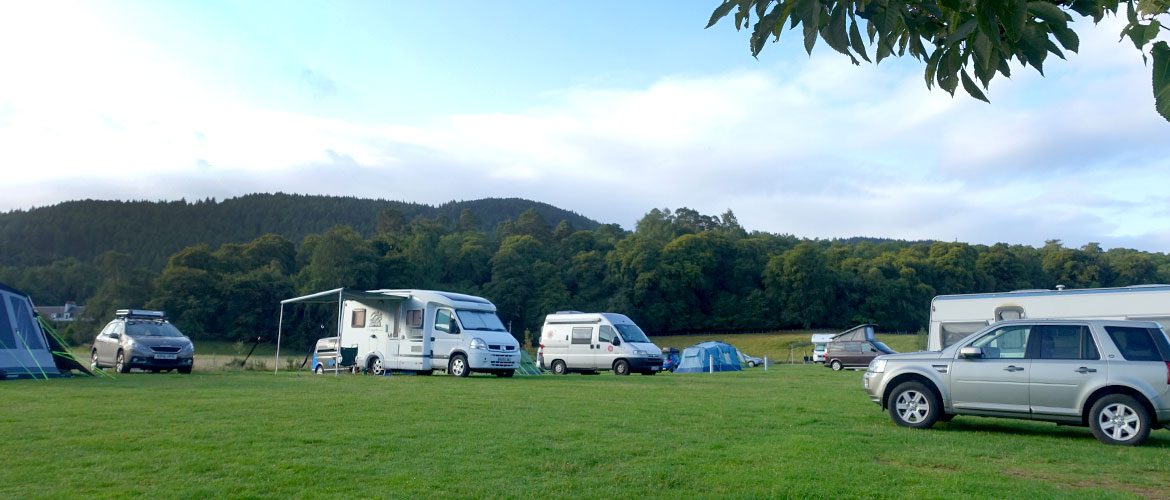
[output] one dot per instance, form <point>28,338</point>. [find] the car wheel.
<point>621,367</point>
<point>506,374</point>
<point>93,362</point>
<point>559,367</point>
<point>186,370</point>
<point>751,364</point>
<point>913,404</point>
<point>836,365</point>
<point>376,366</point>
<point>1119,419</point>
<point>458,366</point>
<point>120,365</point>
<point>319,370</point>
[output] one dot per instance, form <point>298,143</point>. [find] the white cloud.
<point>816,147</point>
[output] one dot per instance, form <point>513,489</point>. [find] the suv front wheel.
<point>1119,419</point>
<point>913,404</point>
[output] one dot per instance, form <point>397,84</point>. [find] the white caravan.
<point>953,317</point>
<point>819,340</point>
<point>590,342</point>
<point>421,331</point>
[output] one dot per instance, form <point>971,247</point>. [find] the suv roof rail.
<point>139,314</point>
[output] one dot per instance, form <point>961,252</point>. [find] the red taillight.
<point>1168,373</point>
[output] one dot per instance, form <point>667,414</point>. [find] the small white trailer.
<point>953,317</point>
<point>419,331</point>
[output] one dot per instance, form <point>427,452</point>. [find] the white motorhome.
<point>819,340</point>
<point>953,317</point>
<point>590,342</point>
<point>421,331</point>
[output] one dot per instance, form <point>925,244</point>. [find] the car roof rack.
<point>139,314</point>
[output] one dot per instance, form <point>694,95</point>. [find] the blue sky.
<point>606,108</point>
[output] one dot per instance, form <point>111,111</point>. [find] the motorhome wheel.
<point>458,366</point>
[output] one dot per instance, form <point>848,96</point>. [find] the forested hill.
<point>152,231</point>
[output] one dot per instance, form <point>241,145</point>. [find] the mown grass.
<point>794,430</point>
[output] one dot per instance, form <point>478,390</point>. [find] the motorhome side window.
<point>443,320</point>
<point>414,318</point>
<point>358,319</point>
<point>583,335</point>
<point>606,334</point>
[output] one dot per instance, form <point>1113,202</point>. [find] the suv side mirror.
<point>971,352</point>
<point>115,335</point>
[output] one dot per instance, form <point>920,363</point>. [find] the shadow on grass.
<point>1159,437</point>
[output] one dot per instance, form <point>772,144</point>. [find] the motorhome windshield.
<point>632,333</point>
<point>480,320</point>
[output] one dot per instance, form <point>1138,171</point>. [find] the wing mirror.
<point>454,327</point>
<point>115,335</point>
<point>616,341</point>
<point>971,352</point>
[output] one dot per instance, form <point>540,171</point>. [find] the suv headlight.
<point>877,365</point>
<point>478,343</point>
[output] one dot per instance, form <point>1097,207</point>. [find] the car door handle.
<point>1085,370</point>
<point>1014,368</point>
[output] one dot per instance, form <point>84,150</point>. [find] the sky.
<point>608,108</point>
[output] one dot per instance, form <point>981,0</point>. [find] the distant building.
<point>68,312</point>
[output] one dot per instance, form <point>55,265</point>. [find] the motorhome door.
<point>414,345</point>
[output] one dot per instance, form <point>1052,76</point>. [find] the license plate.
<point>655,367</point>
<point>165,356</point>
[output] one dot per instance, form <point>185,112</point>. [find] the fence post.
<point>765,362</point>
<point>710,364</point>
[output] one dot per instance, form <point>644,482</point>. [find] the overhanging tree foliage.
<point>962,42</point>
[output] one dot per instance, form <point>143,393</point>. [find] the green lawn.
<point>794,430</point>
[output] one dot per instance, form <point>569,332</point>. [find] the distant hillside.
<point>153,231</point>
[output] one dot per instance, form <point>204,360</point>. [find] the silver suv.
<point>1112,376</point>
<point>142,339</point>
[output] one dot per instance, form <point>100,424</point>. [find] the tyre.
<point>836,365</point>
<point>621,367</point>
<point>559,368</point>
<point>120,365</point>
<point>913,404</point>
<point>186,370</point>
<point>507,374</point>
<point>319,370</point>
<point>458,366</point>
<point>93,362</point>
<point>1119,419</point>
<point>376,366</point>
<point>751,364</point>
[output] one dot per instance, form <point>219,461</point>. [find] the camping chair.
<point>348,358</point>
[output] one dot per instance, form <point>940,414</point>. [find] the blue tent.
<point>708,357</point>
<point>24,350</point>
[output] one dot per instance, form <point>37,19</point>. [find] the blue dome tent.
<point>24,351</point>
<point>709,357</point>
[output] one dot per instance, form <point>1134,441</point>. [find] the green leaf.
<point>1013,14</point>
<point>810,37</point>
<point>1033,47</point>
<point>834,33</point>
<point>1049,12</point>
<point>856,41</point>
<point>962,32</point>
<point>972,89</point>
<point>932,66</point>
<point>1161,79</point>
<point>1067,37</point>
<point>720,12</point>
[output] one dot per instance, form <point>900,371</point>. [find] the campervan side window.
<point>606,334</point>
<point>583,335</point>
<point>358,318</point>
<point>954,332</point>
<point>443,320</point>
<point>414,318</point>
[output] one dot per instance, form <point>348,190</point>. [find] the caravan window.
<point>358,318</point>
<point>414,318</point>
<point>583,335</point>
<point>954,332</point>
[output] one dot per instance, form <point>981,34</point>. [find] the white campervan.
<point>819,341</point>
<point>953,317</point>
<point>425,330</point>
<point>591,342</point>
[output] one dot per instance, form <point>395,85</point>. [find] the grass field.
<point>794,430</point>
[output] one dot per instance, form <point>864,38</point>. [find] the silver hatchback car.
<point>1112,376</point>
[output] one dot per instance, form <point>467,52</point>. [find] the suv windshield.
<point>152,330</point>
<point>480,320</point>
<point>631,333</point>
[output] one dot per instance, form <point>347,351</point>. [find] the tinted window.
<point>1064,342</point>
<point>1136,344</point>
<point>583,335</point>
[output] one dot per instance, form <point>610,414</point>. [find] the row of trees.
<point>678,271</point>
